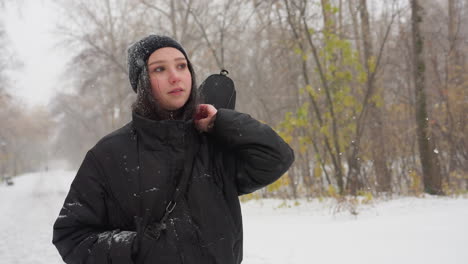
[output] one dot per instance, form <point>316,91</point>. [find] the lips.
<point>176,91</point>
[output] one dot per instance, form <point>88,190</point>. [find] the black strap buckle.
<point>170,206</point>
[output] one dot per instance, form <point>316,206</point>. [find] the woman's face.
<point>171,81</point>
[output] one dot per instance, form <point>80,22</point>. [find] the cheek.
<point>188,80</point>
<point>155,86</point>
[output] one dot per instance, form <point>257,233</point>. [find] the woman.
<point>164,188</point>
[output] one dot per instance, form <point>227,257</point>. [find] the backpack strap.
<point>155,228</point>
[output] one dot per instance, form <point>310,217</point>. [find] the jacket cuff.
<point>121,247</point>
<point>224,124</point>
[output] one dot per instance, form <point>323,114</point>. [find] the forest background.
<point>371,94</point>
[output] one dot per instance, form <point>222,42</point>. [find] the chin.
<point>179,105</point>
<point>175,107</point>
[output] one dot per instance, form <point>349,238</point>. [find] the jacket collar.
<point>155,134</point>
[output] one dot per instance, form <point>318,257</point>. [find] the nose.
<point>174,77</point>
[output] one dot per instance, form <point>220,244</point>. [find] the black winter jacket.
<point>134,171</point>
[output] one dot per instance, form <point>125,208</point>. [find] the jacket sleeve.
<point>81,232</point>
<point>261,155</point>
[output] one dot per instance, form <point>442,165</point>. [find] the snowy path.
<point>28,210</point>
<point>407,230</point>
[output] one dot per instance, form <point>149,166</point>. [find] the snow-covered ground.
<point>405,230</point>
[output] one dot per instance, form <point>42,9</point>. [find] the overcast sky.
<point>30,30</point>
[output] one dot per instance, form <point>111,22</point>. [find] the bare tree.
<point>379,152</point>
<point>429,161</point>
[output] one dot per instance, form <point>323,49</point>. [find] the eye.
<point>159,69</point>
<point>182,66</point>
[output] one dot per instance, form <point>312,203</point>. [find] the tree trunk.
<point>377,132</point>
<point>330,28</point>
<point>357,35</point>
<point>429,160</point>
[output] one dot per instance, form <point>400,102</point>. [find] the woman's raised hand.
<point>205,117</point>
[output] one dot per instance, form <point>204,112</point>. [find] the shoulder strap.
<point>190,155</point>
<point>153,230</point>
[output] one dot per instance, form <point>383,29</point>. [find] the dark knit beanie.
<point>139,52</point>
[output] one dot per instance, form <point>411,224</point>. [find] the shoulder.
<point>116,139</point>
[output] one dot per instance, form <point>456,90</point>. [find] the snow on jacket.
<point>134,171</point>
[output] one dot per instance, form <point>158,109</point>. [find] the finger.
<point>202,124</point>
<point>211,111</point>
<point>202,112</point>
